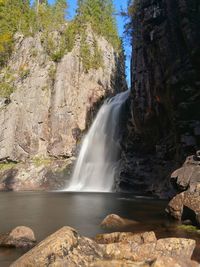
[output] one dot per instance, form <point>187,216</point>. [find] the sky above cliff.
<point>119,4</point>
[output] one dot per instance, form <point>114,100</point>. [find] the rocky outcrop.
<point>67,248</point>
<point>52,102</point>
<point>164,123</point>
<point>185,206</point>
<point>38,174</point>
<point>19,237</point>
<point>188,176</point>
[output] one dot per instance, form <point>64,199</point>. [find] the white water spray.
<point>99,156</point>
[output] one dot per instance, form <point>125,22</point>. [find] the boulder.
<point>63,248</point>
<point>114,221</point>
<point>185,206</point>
<point>20,236</point>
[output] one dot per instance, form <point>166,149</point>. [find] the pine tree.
<point>20,16</point>
<point>99,14</point>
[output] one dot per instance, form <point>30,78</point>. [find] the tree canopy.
<point>100,15</point>
<point>21,16</point>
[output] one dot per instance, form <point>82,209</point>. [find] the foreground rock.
<point>171,247</point>
<point>19,237</point>
<point>67,248</point>
<point>114,221</point>
<point>63,248</point>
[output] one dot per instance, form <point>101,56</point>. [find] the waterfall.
<point>100,152</point>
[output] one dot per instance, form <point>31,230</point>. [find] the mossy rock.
<point>6,166</point>
<point>37,161</point>
<point>189,228</point>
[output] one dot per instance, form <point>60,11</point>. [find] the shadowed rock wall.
<point>165,102</point>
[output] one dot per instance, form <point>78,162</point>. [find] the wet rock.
<point>147,237</point>
<point>114,221</point>
<point>63,248</point>
<point>20,236</point>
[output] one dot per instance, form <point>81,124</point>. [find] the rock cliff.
<point>165,116</point>
<point>51,103</point>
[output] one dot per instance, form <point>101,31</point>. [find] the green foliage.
<point>6,83</point>
<point>6,89</point>
<point>6,44</point>
<point>70,35</point>
<point>99,14</point>
<point>52,73</point>
<point>6,166</point>
<point>189,228</point>
<point>91,56</point>
<point>57,36</point>
<point>24,71</point>
<point>19,16</point>
<point>41,161</point>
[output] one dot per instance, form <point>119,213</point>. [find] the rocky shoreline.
<point>67,247</point>
<point>119,248</point>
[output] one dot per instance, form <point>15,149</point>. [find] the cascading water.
<point>99,156</point>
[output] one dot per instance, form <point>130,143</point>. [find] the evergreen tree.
<point>20,16</point>
<point>99,14</point>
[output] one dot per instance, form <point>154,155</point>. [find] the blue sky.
<point>120,23</point>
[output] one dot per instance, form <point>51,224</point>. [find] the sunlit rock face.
<point>165,115</point>
<point>50,109</point>
<point>53,100</point>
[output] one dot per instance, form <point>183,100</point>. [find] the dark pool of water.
<point>47,212</point>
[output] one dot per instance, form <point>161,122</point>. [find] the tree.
<point>99,14</point>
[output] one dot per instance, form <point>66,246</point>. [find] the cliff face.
<point>165,120</point>
<point>51,103</point>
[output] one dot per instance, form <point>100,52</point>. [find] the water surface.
<point>47,212</point>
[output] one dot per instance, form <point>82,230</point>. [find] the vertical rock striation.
<point>52,102</point>
<point>165,92</point>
